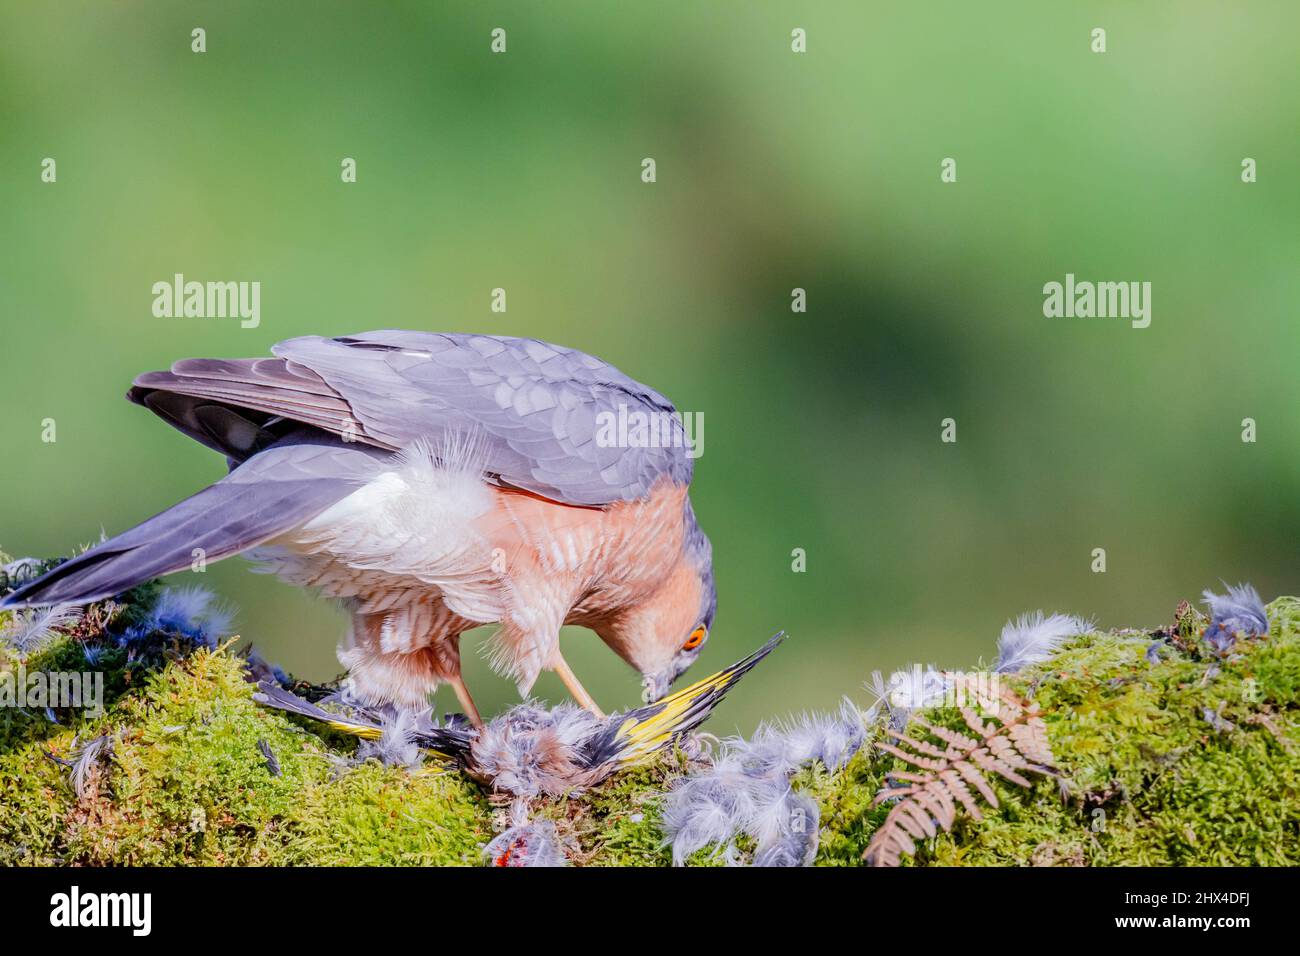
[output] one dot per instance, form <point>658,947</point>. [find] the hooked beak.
<point>655,686</point>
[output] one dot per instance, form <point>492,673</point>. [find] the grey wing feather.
<point>271,493</point>
<point>545,412</point>
<point>541,406</point>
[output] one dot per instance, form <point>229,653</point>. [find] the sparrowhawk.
<point>434,482</point>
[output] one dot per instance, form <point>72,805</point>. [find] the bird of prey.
<point>434,482</point>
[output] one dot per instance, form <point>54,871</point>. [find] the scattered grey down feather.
<point>747,790</point>
<point>1032,638</point>
<point>1240,611</point>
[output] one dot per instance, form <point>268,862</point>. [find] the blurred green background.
<point>775,170</point>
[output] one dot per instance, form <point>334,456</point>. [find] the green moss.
<point>375,815</point>
<point>845,798</point>
<point>1150,780</point>
<point>36,803</point>
<point>188,784</point>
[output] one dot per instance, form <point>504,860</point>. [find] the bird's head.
<point>684,636</point>
<point>663,635</point>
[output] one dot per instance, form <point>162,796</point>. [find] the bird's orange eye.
<point>696,639</point>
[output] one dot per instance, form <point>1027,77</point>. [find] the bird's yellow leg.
<point>466,702</point>
<point>575,686</point>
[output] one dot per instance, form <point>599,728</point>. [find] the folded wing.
<point>546,419</point>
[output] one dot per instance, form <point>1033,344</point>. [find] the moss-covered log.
<point>1171,756</point>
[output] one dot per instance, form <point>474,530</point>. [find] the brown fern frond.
<point>974,723</point>
<point>956,787</point>
<point>987,761</point>
<point>920,746</point>
<point>925,763</point>
<point>1031,740</point>
<point>947,777</point>
<point>950,737</point>
<point>976,780</point>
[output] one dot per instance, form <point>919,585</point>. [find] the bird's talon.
<point>466,701</point>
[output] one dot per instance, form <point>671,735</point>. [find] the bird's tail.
<point>266,496</point>
<point>447,743</point>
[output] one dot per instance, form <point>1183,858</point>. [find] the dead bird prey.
<point>434,482</point>
<point>530,751</point>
